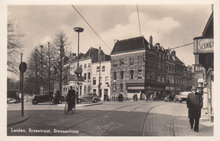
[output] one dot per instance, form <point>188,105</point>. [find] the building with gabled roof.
<point>86,61</point>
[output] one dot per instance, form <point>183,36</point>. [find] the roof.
<point>129,45</point>
<point>208,30</point>
<point>93,54</point>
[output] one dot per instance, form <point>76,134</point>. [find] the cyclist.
<point>71,97</point>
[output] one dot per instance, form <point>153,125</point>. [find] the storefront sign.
<point>203,46</point>
<point>136,88</point>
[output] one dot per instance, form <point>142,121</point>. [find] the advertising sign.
<point>205,45</point>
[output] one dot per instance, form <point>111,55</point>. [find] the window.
<point>131,60</point>
<point>139,74</point>
<point>114,63</point>
<point>122,74</point>
<point>114,87</point>
<point>89,65</point>
<point>122,61</point>
<point>139,59</point>
<point>100,80</point>
<point>85,76</point>
<point>131,74</point>
<point>114,75</point>
<point>94,80</point>
<point>84,89</point>
<point>80,66</point>
<point>98,69</point>
<point>85,66</point>
<point>106,80</point>
<point>103,68</point>
<point>121,87</point>
<point>89,88</point>
<point>94,90</point>
<point>89,77</point>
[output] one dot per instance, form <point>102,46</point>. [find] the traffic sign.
<point>23,67</point>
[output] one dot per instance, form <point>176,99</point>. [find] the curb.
<point>92,104</point>
<point>26,117</point>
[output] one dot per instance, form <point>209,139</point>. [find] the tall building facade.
<point>139,67</point>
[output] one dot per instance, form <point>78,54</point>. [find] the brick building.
<point>139,67</point>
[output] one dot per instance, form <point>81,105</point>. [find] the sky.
<point>170,25</point>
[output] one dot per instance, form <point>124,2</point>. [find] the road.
<point>153,118</point>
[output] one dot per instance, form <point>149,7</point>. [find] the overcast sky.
<point>170,25</point>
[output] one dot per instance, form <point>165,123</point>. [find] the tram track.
<point>97,115</point>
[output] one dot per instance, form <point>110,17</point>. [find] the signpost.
<point>22,68</point>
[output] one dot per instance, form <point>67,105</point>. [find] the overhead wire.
<point>182,46</point>
<point>138,23</point>
<point>90,26</point>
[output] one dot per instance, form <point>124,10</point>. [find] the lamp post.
<point>78,30</point>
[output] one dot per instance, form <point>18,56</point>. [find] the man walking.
<point>194,105</point>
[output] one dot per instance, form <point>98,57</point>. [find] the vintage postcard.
<point>110,69</point>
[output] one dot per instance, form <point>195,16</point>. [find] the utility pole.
<point>99,86</point>
<point>49,66</point>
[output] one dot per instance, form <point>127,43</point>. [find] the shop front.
<point>204,50</point>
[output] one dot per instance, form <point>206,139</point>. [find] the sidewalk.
<point>15,118</point>
<point>206,127</point>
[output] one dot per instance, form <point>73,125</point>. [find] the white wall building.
<point>101,70</point>
<point>89,62</point>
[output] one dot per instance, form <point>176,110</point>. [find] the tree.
<point>13,47</point>
<point>33,71</point>
<point>61,43</point>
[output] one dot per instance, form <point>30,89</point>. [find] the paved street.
<point>152,118</point>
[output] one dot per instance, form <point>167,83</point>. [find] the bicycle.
<point>66,109</point>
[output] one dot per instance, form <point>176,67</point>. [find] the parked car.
<point>46,97</point>
<point>182,96</point>
<point>89,97</point>
<point>11,100</point>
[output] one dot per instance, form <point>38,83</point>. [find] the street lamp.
<point>78,30</point>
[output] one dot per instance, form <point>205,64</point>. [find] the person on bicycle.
<point>71,97</point>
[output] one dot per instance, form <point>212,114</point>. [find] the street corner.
<point>15,118</point>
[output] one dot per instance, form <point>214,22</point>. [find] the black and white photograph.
<point>110,70</point>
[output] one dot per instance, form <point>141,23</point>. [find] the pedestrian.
<point>71,97</point>
<point>194,104</point>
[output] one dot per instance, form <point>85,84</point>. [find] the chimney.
<point>151,40</point>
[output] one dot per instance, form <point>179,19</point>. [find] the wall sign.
<point>203,45</point>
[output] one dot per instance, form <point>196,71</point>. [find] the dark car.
<point>46,97</point>
<point>89,97</point>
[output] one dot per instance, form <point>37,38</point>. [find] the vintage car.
<point>46,97</point>
<point>89,97</point>
<point>182,96</point>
